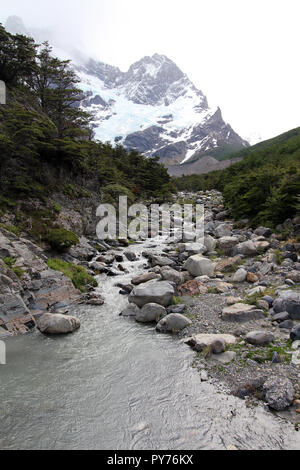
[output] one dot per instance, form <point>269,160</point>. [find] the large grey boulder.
<point>130,311</point>
<point>161,261</point>
<point>223,230</point>
<point>169,274</point>
<point>259,338</point>
<point>150,313</point>
<point>246,248</point>
<point>242,312</point>
<point>130,255</point>
<point>279,393</point>
<point>57,324</point>
<point>210,242</point>
<point>145,278</point>
<point>173,323</point>
<point>160,292</point>
<point>288,301</point>
<point>197,265</point>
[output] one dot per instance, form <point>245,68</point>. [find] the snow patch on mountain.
<point>121,116</point>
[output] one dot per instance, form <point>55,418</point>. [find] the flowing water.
<point>118,385</point>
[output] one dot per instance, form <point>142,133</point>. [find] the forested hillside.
<point>264,186</point>
<point>46,140</point>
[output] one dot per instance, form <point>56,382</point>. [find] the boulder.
<point>279,393</point>
<point>256,290</point>
<point>242,312</point>
<point>262,245</point>
<point>176,308</point>
<point>252,278</point>
<point>233,300</point>
<point>197,265</point>
<point>56,324</point>
<point>223,230</point>
<point>281,317</point>
<point>130,255</point>
<point>130,311</point>
<point>228,264</point>
<point>173,323</point>
<point>210,243</point>
<point>161,261</point>
<point>227,244</point>
<point>150,313</point>
<point>145,278</point>
<point>295,333</point>
<point>286,325</point>
<point>288,301</point>
<point>294,276</point>
<point>83,251</point>
<point>169,274</point>
<point>263,232</point>
<point>159,292</point>
<point>224,358</point>
<point>246,248</point>
<point>240,275</point>
<point>263,304</point>
<point>259,338</point>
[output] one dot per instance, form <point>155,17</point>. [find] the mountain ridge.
<point>153,108</point>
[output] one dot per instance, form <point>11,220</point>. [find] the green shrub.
<point>9,261</point>
<point>56,208</point>
<point>11,228</point>
<point>19,272</point>
<point>112,192</point>
<point>61,239</point>
<point>79,275</point>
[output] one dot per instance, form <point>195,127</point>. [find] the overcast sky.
<point>243,54</point>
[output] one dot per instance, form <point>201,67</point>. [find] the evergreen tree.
<point>17,57</point>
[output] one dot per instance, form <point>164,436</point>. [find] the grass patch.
<point>78,275</point>
<point>9,261</point>
<point>263,355</point>
<point>279,257</point>
<point>11,228</point>
<point>177,300</point>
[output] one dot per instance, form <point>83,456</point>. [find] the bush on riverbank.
<point>78,274</point>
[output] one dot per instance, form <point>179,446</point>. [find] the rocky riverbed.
<point>237,304</point>
<point>233,297</point>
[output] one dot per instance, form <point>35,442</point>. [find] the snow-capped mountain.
<point>153,108</point>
